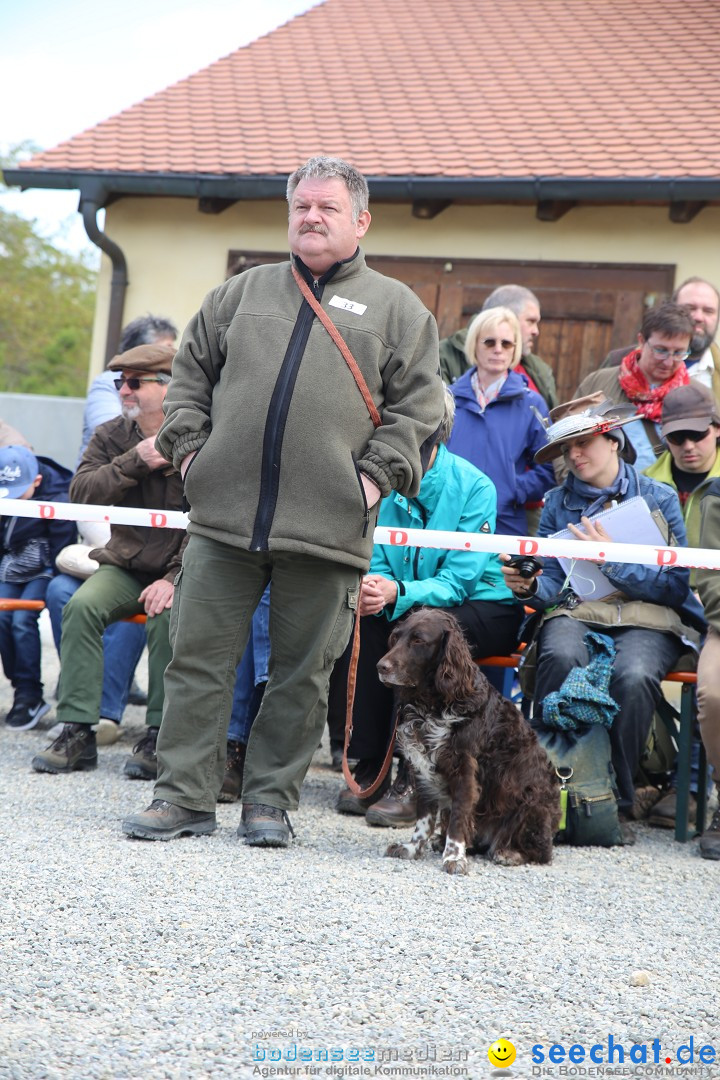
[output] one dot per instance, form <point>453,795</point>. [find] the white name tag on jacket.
<point>348,305</point>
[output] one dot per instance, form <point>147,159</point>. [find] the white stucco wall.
<point>175,254</point>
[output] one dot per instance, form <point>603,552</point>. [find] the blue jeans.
<point>20,639</point>
<point>252,673</point>
<point>123,644</point>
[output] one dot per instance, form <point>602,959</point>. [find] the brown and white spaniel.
<point>476,760</point>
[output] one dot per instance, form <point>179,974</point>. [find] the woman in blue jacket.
<point>650,609</point>
<point>456,497</point>
<point>499,420</point>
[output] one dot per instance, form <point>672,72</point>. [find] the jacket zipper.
<point>366,508</point>
<point>277,416</point>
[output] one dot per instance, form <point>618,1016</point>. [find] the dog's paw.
<point>400,851</point>
<point>509,858</point>
<point>455,866</point>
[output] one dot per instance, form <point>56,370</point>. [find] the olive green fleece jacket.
<point>265,396</point>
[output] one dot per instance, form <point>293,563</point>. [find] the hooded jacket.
<point>262,392</point>
<point>455,497</point>
<point>501,441</point>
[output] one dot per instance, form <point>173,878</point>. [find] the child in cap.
<point>28,547</point>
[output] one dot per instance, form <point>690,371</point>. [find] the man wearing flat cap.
<point>138,565</point>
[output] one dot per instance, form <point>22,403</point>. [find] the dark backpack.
<point>588,792</point>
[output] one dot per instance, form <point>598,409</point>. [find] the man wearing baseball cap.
<point>28,547</point>
<point>690,427</point>
<point>137,570</point>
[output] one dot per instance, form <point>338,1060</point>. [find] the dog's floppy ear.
<point>455,672</point>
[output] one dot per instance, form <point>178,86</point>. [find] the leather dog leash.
<point>355,653</point>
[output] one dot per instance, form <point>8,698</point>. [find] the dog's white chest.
<point>421,741</point>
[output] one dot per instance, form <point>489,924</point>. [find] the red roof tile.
<point>466,88</point>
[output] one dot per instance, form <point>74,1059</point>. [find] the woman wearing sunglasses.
<point>498,419</point>
<point>647,374</point>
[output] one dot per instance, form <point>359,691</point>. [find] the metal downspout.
<point>119,282</point>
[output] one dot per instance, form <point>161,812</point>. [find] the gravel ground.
<point>127,959</point>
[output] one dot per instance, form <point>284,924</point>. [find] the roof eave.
<point>101,187</point>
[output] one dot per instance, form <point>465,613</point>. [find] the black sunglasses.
<point>677,438</point>
<point>133,382</point>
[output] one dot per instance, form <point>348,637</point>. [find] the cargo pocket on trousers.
<point>343,626</point>
<point>174,609</point>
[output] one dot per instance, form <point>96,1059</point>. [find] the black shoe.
<point>25,713</point>
<point>233,778</point>
<point>142,763</point>
<point>364,775</point>
<point>74,749</point>
<point>136,695</point>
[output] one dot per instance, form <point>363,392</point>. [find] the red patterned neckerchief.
<point>648,399</point>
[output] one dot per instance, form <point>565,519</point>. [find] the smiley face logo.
<point>501,1053</point>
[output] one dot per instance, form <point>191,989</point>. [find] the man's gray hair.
<point>515,297</point>
<point>146,330</point>
<point>328,168</point>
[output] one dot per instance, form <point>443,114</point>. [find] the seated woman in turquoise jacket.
<point>454,496</point>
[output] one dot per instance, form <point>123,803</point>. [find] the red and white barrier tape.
<point>645,554</point>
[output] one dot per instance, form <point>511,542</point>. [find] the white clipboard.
<point>629,522</point>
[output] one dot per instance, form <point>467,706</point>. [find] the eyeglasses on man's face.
<point>491,342</point>
<point>661,353</point>
<point>133,382</point>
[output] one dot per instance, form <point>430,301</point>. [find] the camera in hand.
<point>526,565</point>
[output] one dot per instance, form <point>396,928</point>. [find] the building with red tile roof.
<point>521,134</point>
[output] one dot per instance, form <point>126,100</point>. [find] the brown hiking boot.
<point>165,820</point>
<point>399,806</point>
<point>265,826</point>
<point>233,778</point>
<point>142,763</point>
<point>662,815</point>
<point>74,749</point>
<point>710,839</point>
<point>644,800</point>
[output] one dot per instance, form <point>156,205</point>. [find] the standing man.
<point>524,304</point>
<point>283,470</point>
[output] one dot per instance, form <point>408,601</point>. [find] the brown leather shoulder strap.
<point>341,344</point>
<point>352,680</point>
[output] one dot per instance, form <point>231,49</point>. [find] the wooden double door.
<point>587,308</point>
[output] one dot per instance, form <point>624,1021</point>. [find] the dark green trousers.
<point>108,595</point>
<point>312,602</point>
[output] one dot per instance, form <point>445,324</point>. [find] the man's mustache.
<point>313,228</point>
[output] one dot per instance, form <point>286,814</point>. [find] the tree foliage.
<point>47,300</point>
